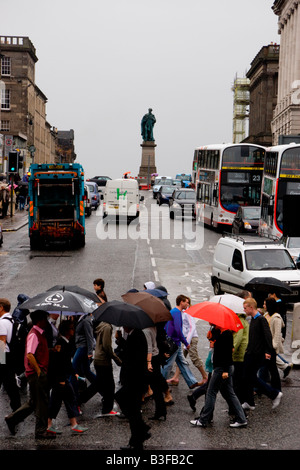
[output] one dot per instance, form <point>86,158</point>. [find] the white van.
<point>237,260</point>
<point>122,198</point>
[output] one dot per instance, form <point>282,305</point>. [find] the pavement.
<point>17,221</point>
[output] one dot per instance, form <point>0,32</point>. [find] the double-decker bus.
<point>227,176</point>
<point>281,180</point>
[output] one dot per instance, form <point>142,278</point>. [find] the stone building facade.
<point>286,118</point>
<point>23,118</point>
<point>263,77</point>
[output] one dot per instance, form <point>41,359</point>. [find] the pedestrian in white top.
<point>7,369</point>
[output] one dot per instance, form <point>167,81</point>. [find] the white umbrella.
<point>231,301</point>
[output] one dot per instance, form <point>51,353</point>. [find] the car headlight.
<point>247,226</point>
<point>176,205</point>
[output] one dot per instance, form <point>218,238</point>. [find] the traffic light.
<point>13,158</point>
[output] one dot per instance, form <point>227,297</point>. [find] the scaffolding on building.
<point>241,102</point>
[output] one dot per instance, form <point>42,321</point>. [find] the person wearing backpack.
<point>20,331</point>
<point>7,369</point>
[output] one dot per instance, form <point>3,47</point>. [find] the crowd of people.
<point>70,359</point>
<point>13,199</point>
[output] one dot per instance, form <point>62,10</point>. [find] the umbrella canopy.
<point>122,314</point>
<point>156,292</point>
<point>231,301</point>
<point>77,290</point>
<point>153,306</point>
<point>217,314</point>
<point>69,303</point>
<point>267,284</point>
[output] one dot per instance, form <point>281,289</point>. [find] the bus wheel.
<point>217,288</point>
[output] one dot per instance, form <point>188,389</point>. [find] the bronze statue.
<point>147,125</point>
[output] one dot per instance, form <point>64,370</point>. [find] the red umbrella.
<point>217,314</point>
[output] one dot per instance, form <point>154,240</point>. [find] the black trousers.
<point>105,386</point>
<point>252,364</point>
<point>7,379</point>
<point>157,384</point>
<point>63,393</point>
<point>129,399</point>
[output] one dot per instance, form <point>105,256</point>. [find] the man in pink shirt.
<point>36,366</point>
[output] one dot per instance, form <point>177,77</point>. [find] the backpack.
<point>17,343</point>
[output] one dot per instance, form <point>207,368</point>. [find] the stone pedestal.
<point>148,160</point>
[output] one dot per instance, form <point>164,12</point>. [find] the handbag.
<point>171,345</point>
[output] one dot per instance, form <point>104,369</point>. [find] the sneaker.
<point>236,424</point>
<point>53,430</point>
<point>111,413</point>
<point>277,400</point>
<point>197,422</point>
<point>246,406</point>
<point>78,429</point>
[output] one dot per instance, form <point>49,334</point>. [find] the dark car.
<point>246,220</point>
<point>183,202</point>
<point>163,194</point>
<point>101,182</point>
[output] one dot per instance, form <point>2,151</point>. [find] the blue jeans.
<point>178,357</point>
<point>81,364</point>
<point>216,384</point>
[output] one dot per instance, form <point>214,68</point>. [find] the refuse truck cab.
<point>56,209</point>
<point>122,199</point>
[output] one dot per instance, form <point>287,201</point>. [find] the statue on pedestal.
<point>147,125</point>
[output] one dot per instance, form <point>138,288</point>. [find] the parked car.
<point>246,220</point>
<point>292,244</point>
<point>101,182</point>
<point>94,193</point>
<point>239,259</point>
<point>183,202</point>
<point>163,194</point>
<point>1,235</point>
<point>87,201</point>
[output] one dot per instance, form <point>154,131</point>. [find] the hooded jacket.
<point>103,351</point>
<point>276,325</point>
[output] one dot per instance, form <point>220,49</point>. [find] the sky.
<point>103,63</point>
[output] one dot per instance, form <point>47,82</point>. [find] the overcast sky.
<point>103,63</point>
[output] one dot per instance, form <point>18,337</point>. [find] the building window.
<point>5,99</point>
<point>5,66</point>
<point>4,126</point>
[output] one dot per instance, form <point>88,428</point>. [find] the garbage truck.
<point>56,210</point>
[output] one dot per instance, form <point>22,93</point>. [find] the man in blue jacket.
<point>174,331</point>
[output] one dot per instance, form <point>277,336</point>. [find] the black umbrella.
<point>268,284</point>
<point>122,314</point>
<point>69,303</point>
<point>77,290</point>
